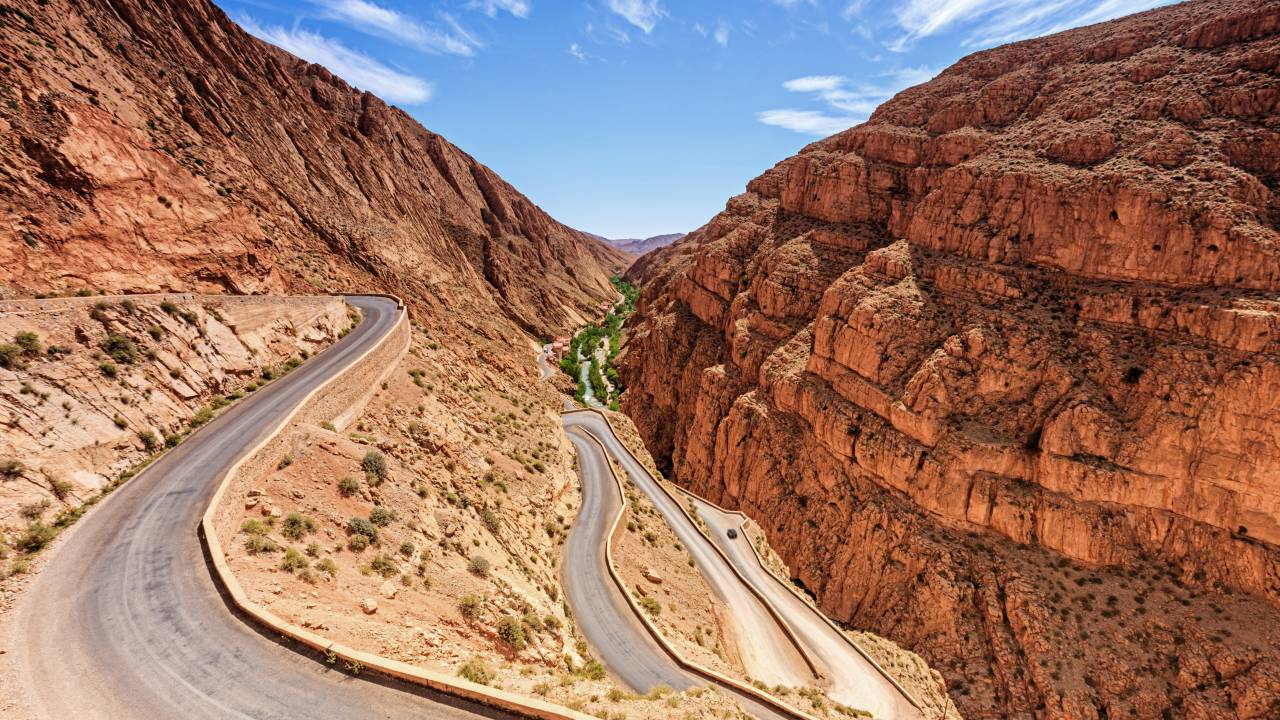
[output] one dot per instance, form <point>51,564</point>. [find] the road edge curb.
<point>769,608</point>
<point>884,673</point>
<point>657,635</point>
<point>528,707</point>
<point>858,649</point>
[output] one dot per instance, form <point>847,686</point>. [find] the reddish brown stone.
<point>1008,350</point>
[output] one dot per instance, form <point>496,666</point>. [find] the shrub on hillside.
<point>490,520</point>
<point>149,440</point>
<point>35,537</point>
<point>381,516</point>
<point>384,565</point>
<point>361,526</point>
<point>29,342</point>
<point>297,526</point>
<point>470,606</point>
<point>476,671</point>
<point>11,357</point>
<point>348,486</point>
<point>293,561</point>
<point>121,348</point>
<point>479,565</point>
<point>651,606</point>
<point>512,632</point>
<point>256,544</point>
<point>374,465</point>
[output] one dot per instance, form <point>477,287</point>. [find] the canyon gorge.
<point>998,369</point>
<point>996,373</point>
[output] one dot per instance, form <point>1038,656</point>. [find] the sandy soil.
<point>655,565</point>
<point>479,473</point>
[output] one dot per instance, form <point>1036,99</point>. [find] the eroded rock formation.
<point>999,370</point>
<point>157,146</point>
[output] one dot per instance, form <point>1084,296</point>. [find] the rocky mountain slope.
<point>998,370</point>
<point>106,382</point>
<point>157,146</point>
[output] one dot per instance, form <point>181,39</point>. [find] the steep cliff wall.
<point>157,146</point>
<point>999,370</point>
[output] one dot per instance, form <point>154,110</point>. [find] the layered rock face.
<point>157,146</point>
<point>999,370</point>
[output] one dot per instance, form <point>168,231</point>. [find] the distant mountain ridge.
<point>638,246</point>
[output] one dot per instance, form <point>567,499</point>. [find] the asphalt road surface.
<point>125,621</point>
<point>602,614</point>
<point>767,653</point>
<point>851,679</point>
<point>847,676</point>
<point>545,370</point>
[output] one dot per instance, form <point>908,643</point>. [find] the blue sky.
<point>630,118</point>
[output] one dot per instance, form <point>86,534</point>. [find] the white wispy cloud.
<point>846,103</point>
<point>519,8</point>
<point>993,22</point>
<point>809,122</point>
<point>644,14</point>
<point>355,67</point>
<point>814,83</point>
<point>721,34</point>
<point>853,9</point>
<point>578,53</point>
<point>393,25</point>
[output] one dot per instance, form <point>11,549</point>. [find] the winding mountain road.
<point>125,620</point>
<point>767,653</point>
<point>599,609</point>
<point>847,676</point>
<point>851,678</point>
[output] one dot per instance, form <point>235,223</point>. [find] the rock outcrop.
<point>999,369</point>
<point>156,146</point>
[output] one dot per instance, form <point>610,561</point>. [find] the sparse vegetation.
<point>476,671</point>
<point>374,465</point>
<point>29,342</point>
<point>149,440</point>
<point>297,526</point>
<point>35,537</point>
<point>361,526</point>
<point>11,357</point>
<point>490,519</point>
<point>592,670</point>
<point>479,565</point>
<point>293,561</point>
<point>258,544</point>
<point>651,606</point>
<point>121,348</point>
<point>348,486</point>
<point>381,516</point>
<point>384,565</point>
<point>512,632</point>
<point>202,417</point>
<point>470,606</point>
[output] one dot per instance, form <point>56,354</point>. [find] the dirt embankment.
<point>90,387</point>
<point>443,550</point>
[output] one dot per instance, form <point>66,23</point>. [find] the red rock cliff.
<point>999,370</point>
<point>156,146</point>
